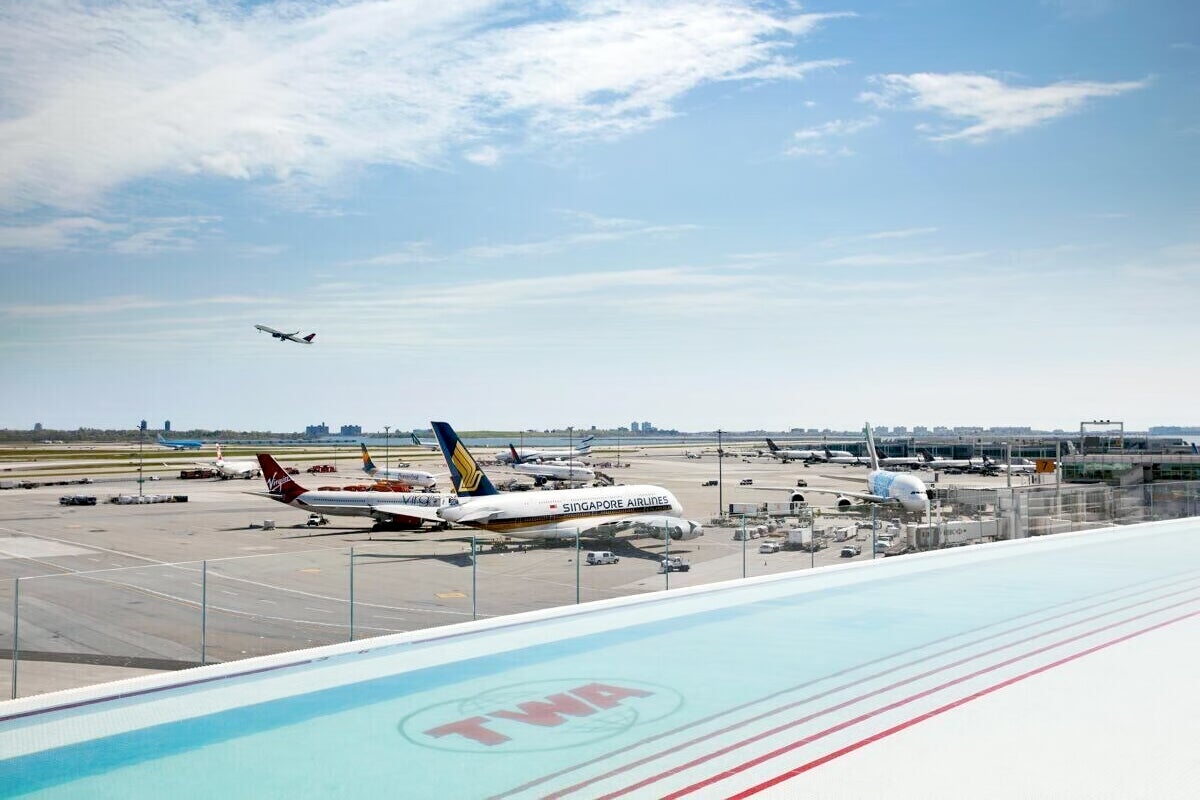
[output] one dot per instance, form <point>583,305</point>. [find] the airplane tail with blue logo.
<point>465,474</point>
<point>368,465</point>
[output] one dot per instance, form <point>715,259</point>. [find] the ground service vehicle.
<point>600,557</point>
<point>768,547</point>
<point>709,483</point>
<point>77,500</point>
<point>315,468</point>
<point>673,564</point>
<point>746,482</point>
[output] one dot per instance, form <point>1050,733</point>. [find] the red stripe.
<point>742,723</point>
<point>949,706</point>
<point>891,706</point>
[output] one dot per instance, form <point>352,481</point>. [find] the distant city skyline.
<point>708,213</point>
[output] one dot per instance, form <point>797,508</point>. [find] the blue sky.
<point>745,215</point>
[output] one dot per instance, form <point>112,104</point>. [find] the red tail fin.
<point>278,481</point>
<point>310,337</point>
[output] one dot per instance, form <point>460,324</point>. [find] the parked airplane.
<point>287,337</point>
<point>405,509</point>
<point>557,513</point>
<point>419,442</point>
<point>568,471</point>
<point>883,486</point>
<point>413,477</point>
<point>1017,466</point>
<point>233,469</point>
<point>775,451</point>
<point>532,454</point>
<point>179,444</point>
<point>948,463</point>
<point>865,461</point>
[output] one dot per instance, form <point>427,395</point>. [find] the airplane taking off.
<point>557,513</point>
<point>569,471</point>
<point>287,337</point>
<point>413,477</point>
<point>405,509</point>
<point>532,454</point>
<point>179,444</point>
<point>883,486</point>
<point>233,469</point>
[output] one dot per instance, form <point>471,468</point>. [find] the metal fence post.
<point>743,545</point>
<point>352,594</point>
<point>203,613</point>
<point>667,559</point>
<point>474,607</point>
<point>577,566</point>
<point>873,529</point>
<point>16,632</point>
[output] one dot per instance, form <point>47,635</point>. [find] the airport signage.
<point>540,715</point>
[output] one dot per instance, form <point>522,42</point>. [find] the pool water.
<point>711,691</point>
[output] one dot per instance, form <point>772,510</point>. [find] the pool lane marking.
<point>689,725</point>
<point>727,773</point>
<point>948,707</point>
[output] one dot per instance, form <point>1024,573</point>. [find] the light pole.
<point>571,453</point>
<point>720,477</point>
<point>387,447</point>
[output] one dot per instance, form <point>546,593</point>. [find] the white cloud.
<point>560,243</point>
<point>486,156</point>
<point>821,140</point>
<point>906,259</point>
<point>55,234</point>
<point>285,93</point>
<point>987,104</point>
<point>164,235</point>
<point>903,233</point>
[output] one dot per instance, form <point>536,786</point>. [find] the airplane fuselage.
<point>413,477</point>
<point>360,504</point>
<point>559,513</point>
<point>907,489</point>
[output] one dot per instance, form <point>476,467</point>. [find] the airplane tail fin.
<point>219,458</point>
<point>1195,450</point>
<point>368,465</point>
<point>416,441</point>
<point>871,445</point>
<point>310,338</point>
<point>465,474</point>
<point>926,456</point>
<point>774,448</point>
<point>516,459</point>
<point>278,481</point>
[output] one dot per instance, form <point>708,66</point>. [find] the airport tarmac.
<point>138,603</point>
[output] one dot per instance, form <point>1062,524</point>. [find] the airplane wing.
<point>866,497</point>
<point>652,525</point>
<point>401,510</point>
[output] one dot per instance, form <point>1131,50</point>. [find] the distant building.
<point>317,430</point>
<point>166,426</point>
<point>635,427</point>
<point>350,430</point>
<point>900,430</point>
<point>920,430</point>
<point>883,430</point>
<point>941,430</point>
<point>37,426</point>
<point>647,427</point>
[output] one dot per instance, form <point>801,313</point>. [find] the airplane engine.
<point>843,503</point>
<point>797,497</point>
<point>678,529</point>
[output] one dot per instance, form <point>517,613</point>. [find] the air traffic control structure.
<point>1055,667</point>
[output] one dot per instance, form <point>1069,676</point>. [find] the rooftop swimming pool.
<point>722,690</point>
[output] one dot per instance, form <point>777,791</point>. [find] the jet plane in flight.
<point>288,337</point>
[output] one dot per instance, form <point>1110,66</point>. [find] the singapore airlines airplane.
<point>401,509</point>
<point>413,477</point>
<point>287,337</point>
<point>557,513</point>
<point>569,471</point>
<point>883,486</point>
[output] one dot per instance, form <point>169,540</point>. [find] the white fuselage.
<point>361,504</point>
<point>413,477</point>
<point>236,469</point>
<point>906,488</point>
<point>555,471</point>
<point>796,455</point>
<point>561,513</point>
<point>535,454</point>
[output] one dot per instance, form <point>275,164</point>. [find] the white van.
<point>601,557</point>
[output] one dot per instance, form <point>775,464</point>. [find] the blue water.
<point>461,730</point>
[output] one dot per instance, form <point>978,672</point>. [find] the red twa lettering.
<point>548,712</point>
<point>551,712</point>
<point>471,728</point>
<point>602,695</point>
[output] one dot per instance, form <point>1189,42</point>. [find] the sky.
<point>534,215</point>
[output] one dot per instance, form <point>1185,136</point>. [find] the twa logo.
<point>274,484</point>
<point>543,715</point>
